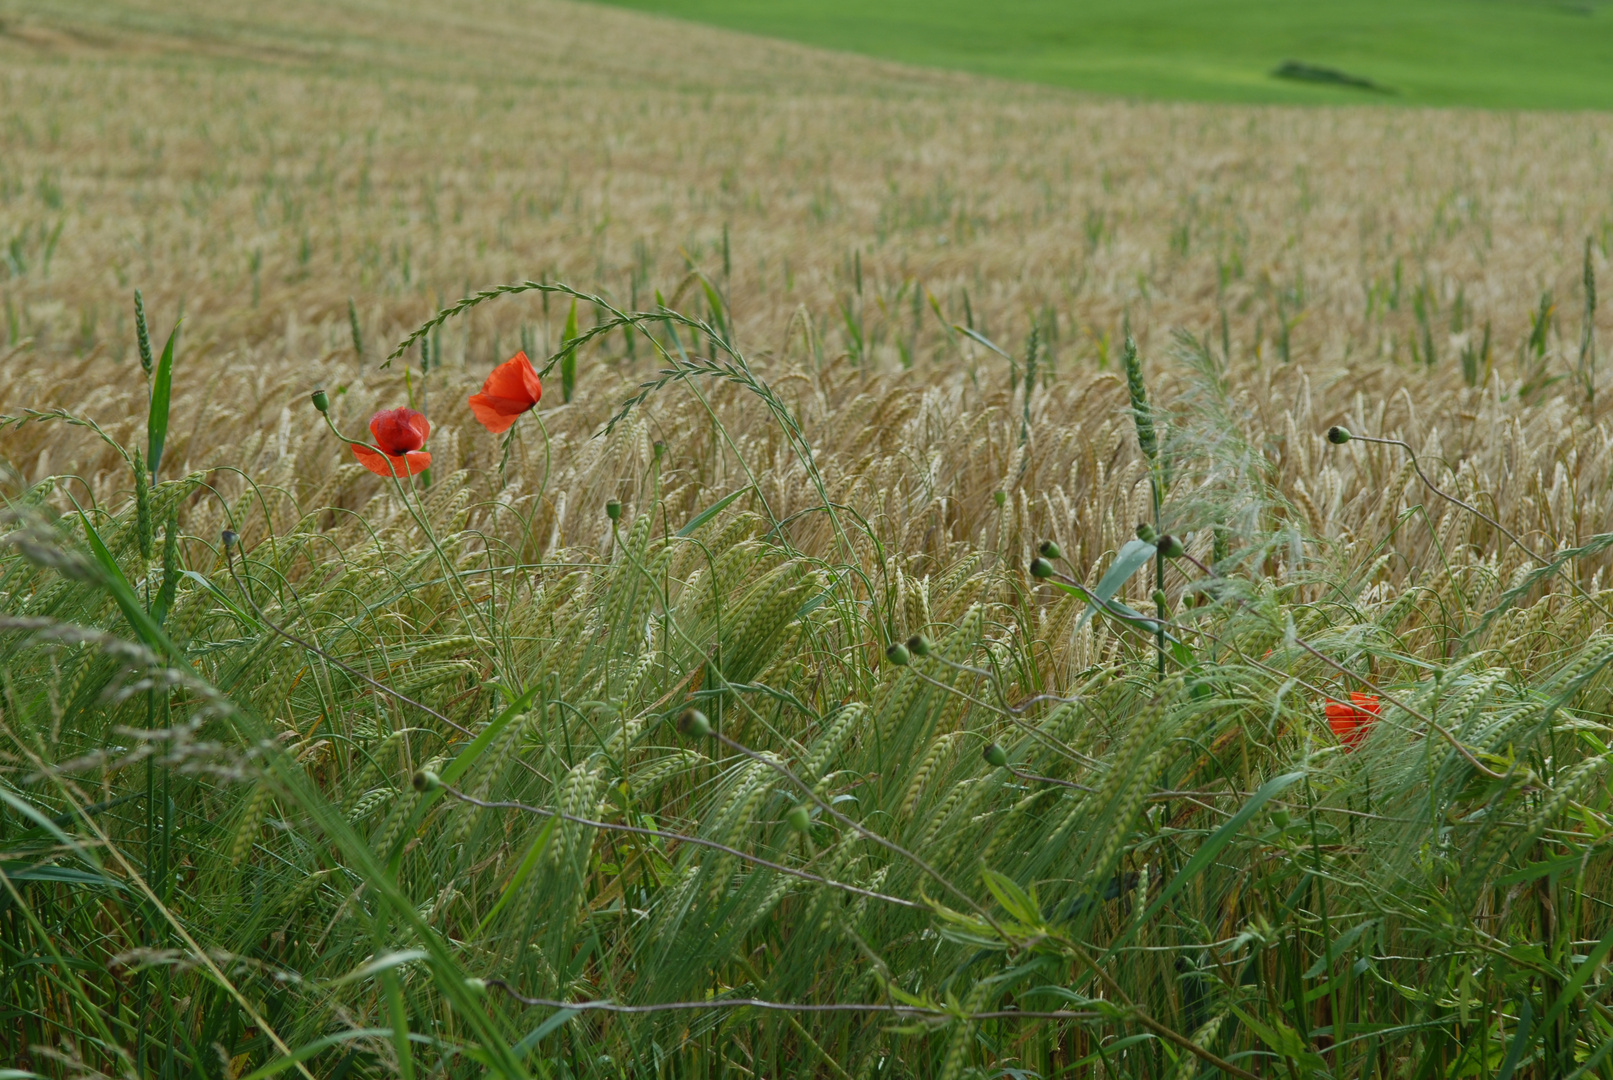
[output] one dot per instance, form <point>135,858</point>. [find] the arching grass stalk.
<point>680,369</point>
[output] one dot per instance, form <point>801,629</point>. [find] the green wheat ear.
<point>358,334</point>
<point>1141,412</point>
<point>142,334</point>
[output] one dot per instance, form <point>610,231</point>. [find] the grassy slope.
<point>1492,53</point>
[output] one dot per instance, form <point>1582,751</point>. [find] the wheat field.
<point>792,692</point>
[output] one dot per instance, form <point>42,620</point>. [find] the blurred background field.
<point>241,865</point>
<point>1530,54</point>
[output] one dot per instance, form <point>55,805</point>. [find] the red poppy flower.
<point>511,390</point>
<point>400,433</point>
<point>1350,723</point>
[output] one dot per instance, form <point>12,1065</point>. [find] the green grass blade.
<point>303,1053</point>
<point>161,392</point>
<point>710,512</point>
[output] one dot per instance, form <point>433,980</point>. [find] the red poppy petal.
<point>399,465</point>
<point>376,463</point>
<point>397,431</point>
<point>497,413</point>
<point>514,379</point>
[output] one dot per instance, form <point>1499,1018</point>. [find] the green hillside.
<point>1494,53</point>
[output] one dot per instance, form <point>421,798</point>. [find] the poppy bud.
<point>1171,547</point>
<point>1146,533</point>
<point>693,722</point>
<point>1159,600</point>
<point>799,817</point>
<point>995,756</point>
<point>1280,818</point>
<point>321,402</point>
<point>1000,498</point>
<point>1338,436</point>
<point>476,986</point>
<point>660,449</point>
<point>1041,568</point>
<point>918,645</point>
<point>230,538</point>
<point>1050,550</point>
<point>613,510</point>
<point>898,655</point>
<point>426,780</point>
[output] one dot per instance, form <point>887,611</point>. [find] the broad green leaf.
<point>1132,556</point>
<point>118,585</point>
<point>161,391</point>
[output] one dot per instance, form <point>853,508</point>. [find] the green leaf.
<point>457,767</point>
<point>118,585</point>
<point>62,875</point>
<point>161,392</point>
<point>303,1053</point>
<point>1571,989</point>
<point>710,512</point>
<point>1520,1042</point>
<point>539,1033</point>
<point>568,362</point>
<point>522,872</point>
<point>1013,899</point>
<point>381,963</point>
<point>1132,556</point>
